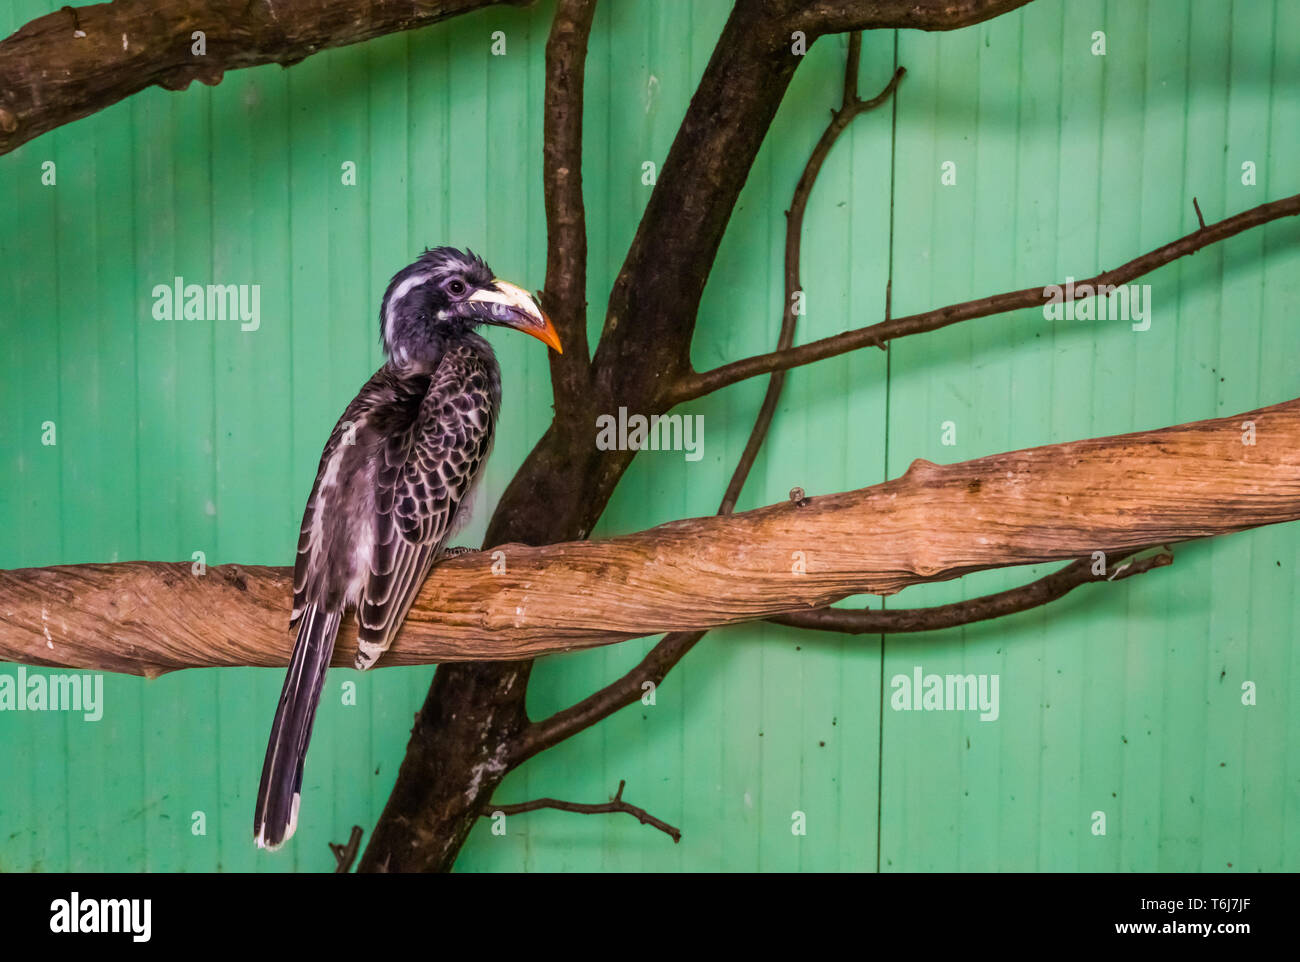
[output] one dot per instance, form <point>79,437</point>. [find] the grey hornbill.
<point>394,483</point>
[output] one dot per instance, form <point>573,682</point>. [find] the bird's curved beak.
<point>511,306</point>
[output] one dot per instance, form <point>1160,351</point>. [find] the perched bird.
<point>393,484</point>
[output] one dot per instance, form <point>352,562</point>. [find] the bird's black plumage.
<point>392,486</point>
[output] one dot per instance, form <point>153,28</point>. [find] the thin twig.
<point>1021,598</point>
<point>616,804</point>
<point>697,385</point>
<point>850,108</point>
<point>600,704</point>
<point>1199,216</point>
<point>673,647</point>
<point>344,855</point>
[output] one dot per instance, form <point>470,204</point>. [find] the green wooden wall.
<point>182,436</point>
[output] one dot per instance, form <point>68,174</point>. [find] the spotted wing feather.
<point>423,476</point>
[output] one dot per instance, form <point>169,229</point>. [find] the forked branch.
<point>615,804</point>
<point>699,384</point>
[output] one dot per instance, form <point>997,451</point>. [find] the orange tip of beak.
<point>548,335</point>
<point>524,312</point>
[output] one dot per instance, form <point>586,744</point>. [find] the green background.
<point>176,437</point>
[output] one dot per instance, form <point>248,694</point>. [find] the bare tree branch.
<point>850,108</point>
<point>656,296</point>
<point>866,621</point>
<point>665,655</point>
<point>697,385</point>
<point>841,16</point>
<point>346,854</point>
<point>602,703</point>
<point>616,804</point>
<point>75,61</point>
<point>71,63</point>
<point>565,297</point>
<point>1056,502</point>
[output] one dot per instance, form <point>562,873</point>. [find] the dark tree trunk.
<point>474,710</point>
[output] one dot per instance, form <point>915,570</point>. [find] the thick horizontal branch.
<point>71,63</point>
<point>75,61</point>
<point>1056,502</point>
<point>699,384</point>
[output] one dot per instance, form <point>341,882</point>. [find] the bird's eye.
<point>456,287</point>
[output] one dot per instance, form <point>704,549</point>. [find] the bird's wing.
<point>311,550</point>
<point>422,477</point>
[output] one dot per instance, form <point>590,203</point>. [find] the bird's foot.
<point>457,551</point>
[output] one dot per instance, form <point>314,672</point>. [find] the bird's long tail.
<point>281,788</point>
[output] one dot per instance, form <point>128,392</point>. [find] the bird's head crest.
<point>444,295</point>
